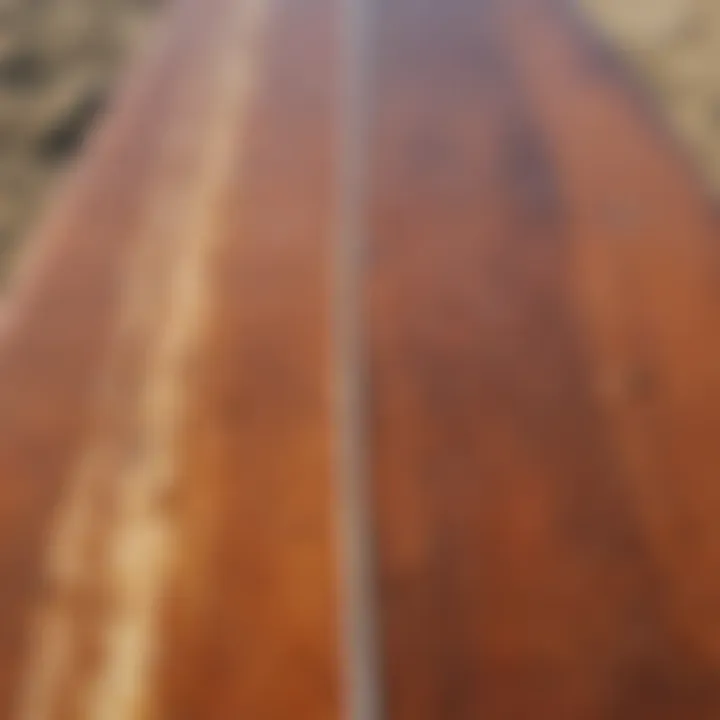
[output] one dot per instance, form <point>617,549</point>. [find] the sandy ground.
<point>59,60</point>
<point>674,45</point>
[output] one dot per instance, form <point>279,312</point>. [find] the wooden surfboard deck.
<point>366,367</point>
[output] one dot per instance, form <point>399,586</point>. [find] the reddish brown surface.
<point>545,374</point>
<point>59,319</point>
<point>542,365</point>
<point>252,629</point>
<point>251,602</point>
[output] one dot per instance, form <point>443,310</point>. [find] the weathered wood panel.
<point>545,374</point>
<point>537,351</point>
<point>167,544</point>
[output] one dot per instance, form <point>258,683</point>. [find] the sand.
<point>59,61</point>
<point>674,47</point>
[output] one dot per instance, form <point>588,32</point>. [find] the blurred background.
<point>674,47</point>
<point>59,60</point>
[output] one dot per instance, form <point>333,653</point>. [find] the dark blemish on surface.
<point>64,136</point>
<point>22,70</point>
<point>529,171</point>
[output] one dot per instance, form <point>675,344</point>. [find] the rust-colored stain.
<point>540,371</point>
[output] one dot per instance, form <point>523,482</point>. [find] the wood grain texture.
<point>538,352</point>
<point>251,628</point>
<point>167,543</point>
<point>544,377</point>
